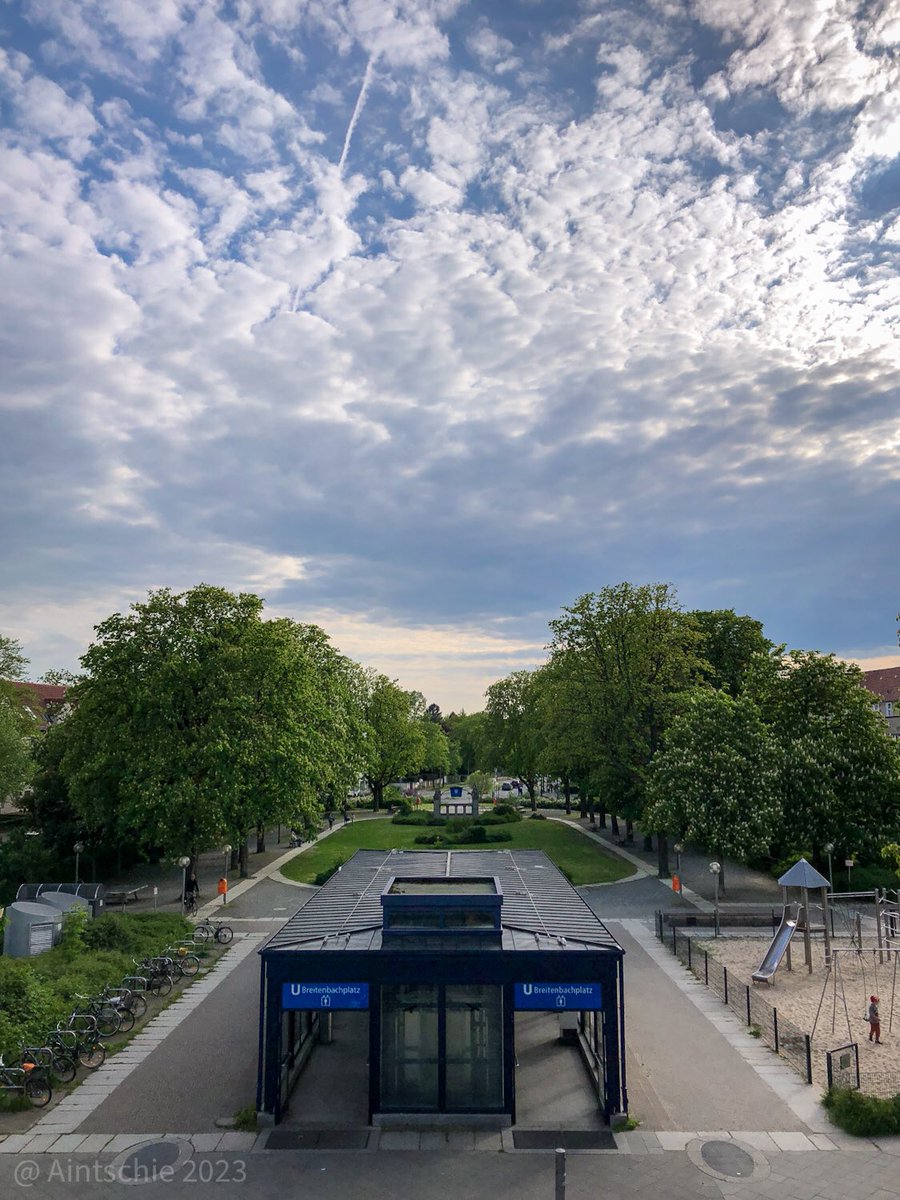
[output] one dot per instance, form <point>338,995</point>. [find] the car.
<point>505,787</point>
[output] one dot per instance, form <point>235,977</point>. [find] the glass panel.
<point>409,1046</point>
<point>469,918</point>
<point>415,918</point>
<point>474,1046</point>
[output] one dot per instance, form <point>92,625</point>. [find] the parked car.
<point>505,787</point>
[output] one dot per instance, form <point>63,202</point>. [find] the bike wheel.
<point>137,1005</point>
<point>190,964</point>
<point>63,1068</point>
<point>163,985</point>
<point>92,1055</point>
<point>224,934</point>
<point>108,1022</point>
<point>38,1090</point>
<point>126,1020</point>
<point>202,933</point>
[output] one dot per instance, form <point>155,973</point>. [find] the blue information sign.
<point>325,995</point>
<point>571,996</point>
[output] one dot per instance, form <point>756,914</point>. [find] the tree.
<point>395,734</point>
<point>197,719</point>
<point>466,733</point>
<point>626,653</point>
<point>436,754</point>
<point>729,644</point>
<point>715,783</point>
<point>512,727</point>
<point>839,770</point>
<point>12,659</point>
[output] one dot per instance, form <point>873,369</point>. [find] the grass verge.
<point>580,859</point>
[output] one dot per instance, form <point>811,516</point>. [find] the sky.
<point>422,318</point>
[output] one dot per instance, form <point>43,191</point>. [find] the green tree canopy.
<point>626,653</point>
<point>197,719</point>
<point>715,782</point>
<point>729,644</point>
<point>17,726</point>
<point>395,734</point>
<point>512,730</point>
<point>839,770</point>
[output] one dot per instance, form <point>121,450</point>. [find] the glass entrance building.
<point>437,951</point>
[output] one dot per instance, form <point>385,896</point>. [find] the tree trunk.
<point>235,853</point>
<point>260,839</point>
<point>591,810</point>
<point>614,825</point>
<point>582,804</point>
<point>648,842</point>
<point>532,794</point>
<point>568,794</point>
<point>242,858</point>
<point>629,831</point>
<point>377,796</point>
<point>662,852</point>
<point>601,817</point>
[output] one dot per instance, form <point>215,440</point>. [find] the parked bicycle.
<point>183,962</point>
<point>83,1043</point>
<point>50,1058</point>
<point>31,1081</point>
<point>110,1014</point>
<point>218,931</point>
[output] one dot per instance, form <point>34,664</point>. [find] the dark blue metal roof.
<point>541,910</point>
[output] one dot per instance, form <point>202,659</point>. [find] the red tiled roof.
<point>47,693</point>
<point>885,683</point>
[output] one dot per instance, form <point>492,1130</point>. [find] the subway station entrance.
<point>433,961</point>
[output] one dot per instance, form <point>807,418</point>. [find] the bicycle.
<point>110,1014</point>
<point>216,930</point>
<point>159,977</point>
<point>50,1058</point>
<point>189,905</point>
<point>183,962</point>
<point>83,1043</point>
<point>28,1079</point>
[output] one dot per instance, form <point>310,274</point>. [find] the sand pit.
<point>796,994</point>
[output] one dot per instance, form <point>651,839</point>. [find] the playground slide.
<point>775,952</point>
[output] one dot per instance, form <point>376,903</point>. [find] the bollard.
<point>560,1175</point>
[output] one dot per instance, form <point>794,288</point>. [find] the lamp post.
<point>184,862</point>
<point>226,850</point>
<point>829,850</point>
<point>79,850</point>
<point>714,869</point>
<point>678,849</point>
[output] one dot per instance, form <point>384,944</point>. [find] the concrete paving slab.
<point>759,1141</point>
<point>792,1141</point>
<point>40,1143</point>
<point>236,1141</point>
<point>205,1143</point>
<point>68,1143</point>
<point>95,1143</point>
<point>432,1140</point>
<point>392,1139</point>
<point>674,1140</point>
<point>822,1141</point>
<point>123,1141</point>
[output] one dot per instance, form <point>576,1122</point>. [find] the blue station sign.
<point>560,996</point>
<point>325,995</point>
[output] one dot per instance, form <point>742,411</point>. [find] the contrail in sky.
<point>360,101</point>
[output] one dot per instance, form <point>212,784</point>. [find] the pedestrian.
<point>874,1020</point>
<point>330,817</point>
<point>344,812</point>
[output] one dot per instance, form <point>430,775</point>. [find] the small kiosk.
<point>440,949</point>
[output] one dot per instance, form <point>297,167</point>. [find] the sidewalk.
<point>742,884</point>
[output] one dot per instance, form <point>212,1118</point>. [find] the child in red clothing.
<point>874,1021</point>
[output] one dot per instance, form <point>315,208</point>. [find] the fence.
<point>762,1018</point>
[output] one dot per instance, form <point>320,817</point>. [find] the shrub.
<point>411,818</point>
<point>537,817</point>
<point>860,1115</point>
<point>508,811</point>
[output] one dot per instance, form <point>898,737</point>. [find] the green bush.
<point>411,818</point>
<point>537,817</point>
<point>860,1115</point>
<point>507,811</point>
<point>785,863</point>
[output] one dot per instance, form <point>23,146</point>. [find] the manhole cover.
<point>728,1159</point>
<point>150,1162</point>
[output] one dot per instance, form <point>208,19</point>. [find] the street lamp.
<point>226,850</point>
<point>678,849</point>
<point>714,869</point>
<point>184,862</point>
<point>79,850</point>
<point>829,850</point>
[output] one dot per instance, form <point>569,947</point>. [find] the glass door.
<point>473,1047</point>
<point>409,1046</point>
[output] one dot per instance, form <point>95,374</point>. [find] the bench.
<point>123,896</point>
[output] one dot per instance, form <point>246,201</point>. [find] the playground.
<point>821,977</point>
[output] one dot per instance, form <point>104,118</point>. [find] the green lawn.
<point>580,857</point>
